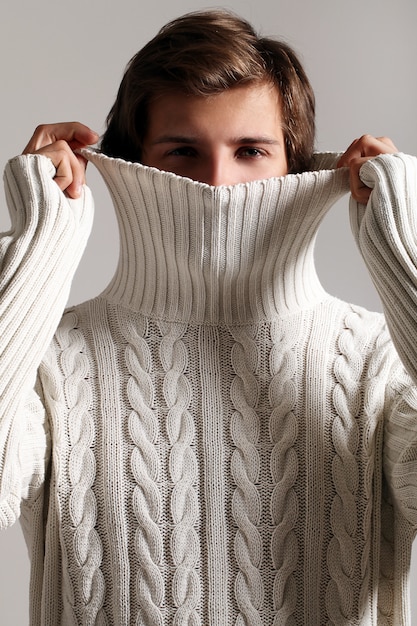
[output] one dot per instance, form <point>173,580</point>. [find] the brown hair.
<point>204,53</point>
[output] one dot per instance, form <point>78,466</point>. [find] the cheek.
<point>275,168</point>
<point>282,165</point>
<point>151,157</point>
<point>283,169</point>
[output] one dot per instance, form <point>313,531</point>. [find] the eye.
<point>250,152</point>
<point>182,151</point>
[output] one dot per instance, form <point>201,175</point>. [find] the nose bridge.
<point>218,168</point>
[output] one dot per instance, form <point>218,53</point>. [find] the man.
<point>214,439</point>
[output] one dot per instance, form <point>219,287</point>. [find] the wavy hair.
<point>203,53</point>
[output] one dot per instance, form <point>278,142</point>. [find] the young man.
<point>183,84</point>
<point>214,439</point>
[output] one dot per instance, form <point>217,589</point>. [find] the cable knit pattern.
<point>386,595</point>
<point>214,440</point>
<point>145,465</point>
<point>246,504</point>
<point>345,434</point>
<point>373,401</point>
<point>81,534</point>
<point>183,472</point>
<point>283,394</point>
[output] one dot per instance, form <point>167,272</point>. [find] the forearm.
<point>386,232</point>
<point>38,258</point>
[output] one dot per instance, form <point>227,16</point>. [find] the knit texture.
<point>214,440</point>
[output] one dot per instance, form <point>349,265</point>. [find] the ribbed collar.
<point>200,254</point>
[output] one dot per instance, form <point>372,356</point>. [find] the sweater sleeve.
<point>38,258</point>
<point>386,232</point>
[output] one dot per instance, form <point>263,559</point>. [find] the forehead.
<point>254,104</point>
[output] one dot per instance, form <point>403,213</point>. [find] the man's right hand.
<point>58,142</point>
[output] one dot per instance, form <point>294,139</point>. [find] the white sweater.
<point>214,440</point>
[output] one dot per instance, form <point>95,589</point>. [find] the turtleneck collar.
<point>194,253</point>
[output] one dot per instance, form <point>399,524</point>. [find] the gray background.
<point>64,60</point>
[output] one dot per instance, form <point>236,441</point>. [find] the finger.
<point>70,168</point>
<point>78,166</point>
<point>74,133</point>
<point>360,192</point>
<point>366,146</point>
<point>77,135</point>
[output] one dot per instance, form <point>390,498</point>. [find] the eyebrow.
<point>189,140</point>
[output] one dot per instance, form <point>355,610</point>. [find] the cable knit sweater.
<point>214,440</point>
